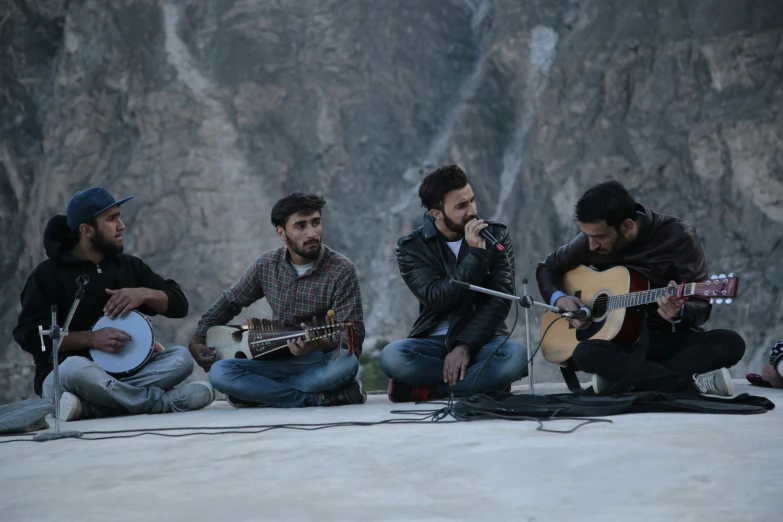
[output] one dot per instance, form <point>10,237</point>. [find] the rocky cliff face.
<point>210,111</point>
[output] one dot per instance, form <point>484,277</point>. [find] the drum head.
<point>135,351</point>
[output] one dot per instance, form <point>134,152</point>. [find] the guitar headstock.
<point>718,288</point>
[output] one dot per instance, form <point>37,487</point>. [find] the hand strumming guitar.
<point>572,304</point>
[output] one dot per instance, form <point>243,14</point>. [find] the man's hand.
<point>472,230</point>
<point>456,364</point>
<point>571,304</point>
<point>301,347</point>
<point>670,307</point>
<point>124,300</point>
<point>202,354</point>
<point>109,339</point>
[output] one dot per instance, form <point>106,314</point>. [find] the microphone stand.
<point>56,334</point>
<point>525,302</point>
<point>527,334</point>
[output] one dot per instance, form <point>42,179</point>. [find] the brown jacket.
<point>666,249</point>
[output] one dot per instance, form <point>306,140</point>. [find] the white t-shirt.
<point>443,327</point>
<point>301,269</point>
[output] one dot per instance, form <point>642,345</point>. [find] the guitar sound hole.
<point>599,306</point>
<point>240,355</point>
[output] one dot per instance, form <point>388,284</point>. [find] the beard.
<point>620,244</point>
<point>457,228</point>
<point>103,245</point>
<point>310,250</point>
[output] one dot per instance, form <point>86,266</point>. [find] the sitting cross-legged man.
<point>458,346</point>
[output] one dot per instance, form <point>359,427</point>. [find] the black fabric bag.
<point>494,405</point>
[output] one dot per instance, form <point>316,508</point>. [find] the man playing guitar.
<point>616,231</point>
<point>88,240</point>
<point>300,280</point>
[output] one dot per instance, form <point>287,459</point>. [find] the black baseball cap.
<point>89,203</point>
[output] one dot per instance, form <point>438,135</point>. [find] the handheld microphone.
<point>491,240</point>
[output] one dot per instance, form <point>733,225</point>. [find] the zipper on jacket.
<point>99,268</point>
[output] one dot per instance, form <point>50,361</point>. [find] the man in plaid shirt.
<point>301,280</point>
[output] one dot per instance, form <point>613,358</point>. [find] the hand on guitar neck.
<point>571,303</point>
<point>300,346</point>
<point>670,307</point>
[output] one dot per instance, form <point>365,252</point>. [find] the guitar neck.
<point>648,296</point>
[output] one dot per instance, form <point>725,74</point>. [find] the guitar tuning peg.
<point>713,276</point>
<point>719,301</point>
<point>712,301</point>
<point>728,301</point>
<point>722,276</point>
<point>731,274</point>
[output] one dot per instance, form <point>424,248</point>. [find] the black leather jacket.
<point>427,265</point>
<point>666,249</point>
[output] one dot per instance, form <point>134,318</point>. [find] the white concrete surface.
<point>651,467</point>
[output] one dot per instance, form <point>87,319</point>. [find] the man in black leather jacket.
<point>458,344</point>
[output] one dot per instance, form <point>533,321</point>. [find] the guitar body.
<point>621,325</point>
<point>223,339</point>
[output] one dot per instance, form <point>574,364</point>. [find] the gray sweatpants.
<point>104,395</point>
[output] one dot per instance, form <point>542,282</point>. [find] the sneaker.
<point>192,396</point>
<point>239,403</point>
<point>71,407</point>
<point>353,393</point>
<point>601,384</point>
<point>401,392</point>
<point>716,382</point>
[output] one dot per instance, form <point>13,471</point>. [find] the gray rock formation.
<point>210,111</point>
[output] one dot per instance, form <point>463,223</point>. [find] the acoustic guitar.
<point>263,337</point>
<point>612,296</point>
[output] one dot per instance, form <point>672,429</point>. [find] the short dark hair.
<point>440,182</point>
<point>74,235</point>
<point>607,201</point>
<point>293,203</point>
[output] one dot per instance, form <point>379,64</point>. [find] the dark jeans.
<point>672,358</point>
<point>419,362</point>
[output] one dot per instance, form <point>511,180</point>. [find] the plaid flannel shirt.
<point>331,283</point>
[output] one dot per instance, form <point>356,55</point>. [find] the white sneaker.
<point>601,385</point>
<point>70,407</point>
<point>192,396</point>
<point>716,382</point>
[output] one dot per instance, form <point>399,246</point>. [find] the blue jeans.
<point>419,362</point>
<point>289,382</point>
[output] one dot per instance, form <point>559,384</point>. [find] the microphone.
<point>583,313</point>
<point>491,240</point>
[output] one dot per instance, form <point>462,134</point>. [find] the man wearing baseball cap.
<point>88,240</point>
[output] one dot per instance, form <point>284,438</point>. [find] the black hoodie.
<point>53,282</point>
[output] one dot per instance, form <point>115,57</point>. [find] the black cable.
<point>516,320</point>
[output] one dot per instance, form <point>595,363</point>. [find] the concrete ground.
<point>647,467</point>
